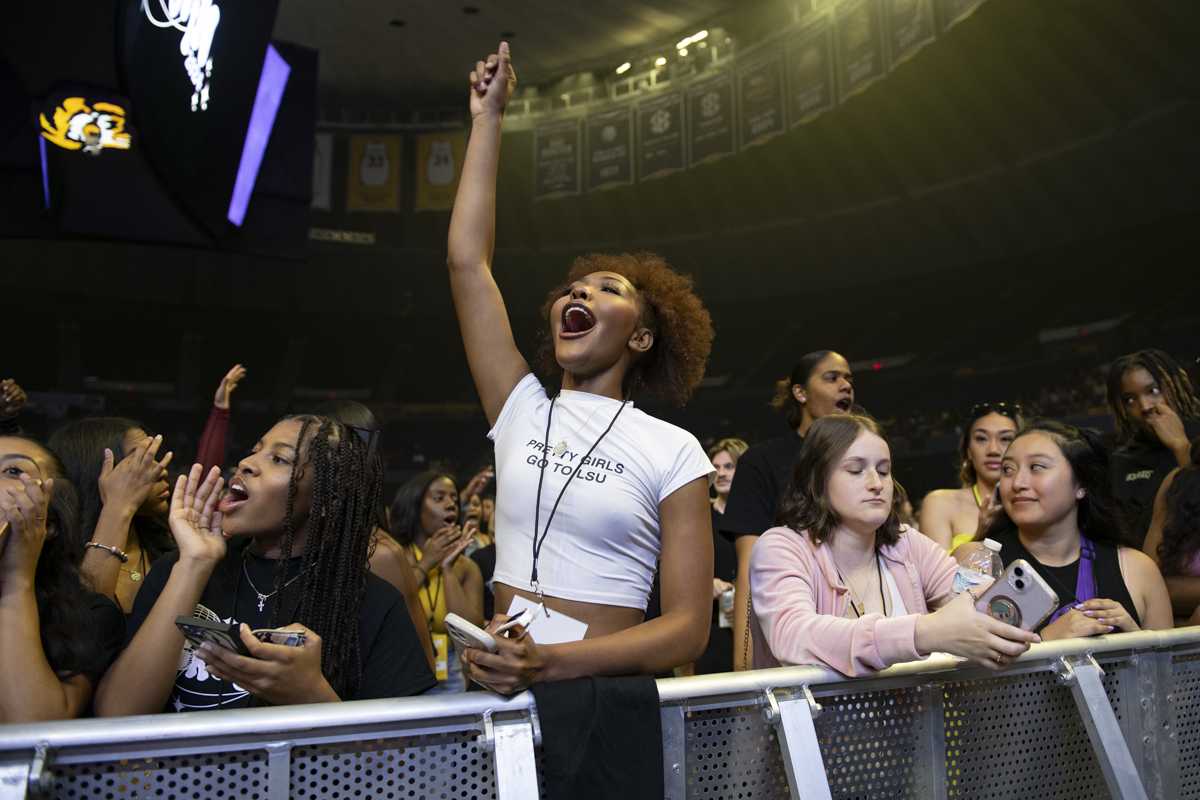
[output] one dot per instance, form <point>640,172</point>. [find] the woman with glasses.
<point>952,517</point>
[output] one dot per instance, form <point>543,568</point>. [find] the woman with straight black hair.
<point>953,517</point>
<point>590,491</point>
<point>1058,514</point>
<point>285,547</point>
<point>820,384</point>
<point>113,463</point>
<point>425,524</point>
<point>56,636</point>
<point>1157,414</point>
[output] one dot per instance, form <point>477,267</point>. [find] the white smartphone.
<point>1020,597</point>
<point>468,634</point>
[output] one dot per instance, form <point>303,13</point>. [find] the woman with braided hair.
<point>1157,414</point>
<point>286,546</point>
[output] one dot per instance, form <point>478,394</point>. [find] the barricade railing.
<point>1114,716</point>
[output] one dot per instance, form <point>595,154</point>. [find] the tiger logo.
<point>91,128</point>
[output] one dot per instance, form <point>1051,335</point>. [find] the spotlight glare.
<point>621,70</point>
<point>661,61</point>
<point>683,43</point>
<point>699,36</point>
<point>683,52</point>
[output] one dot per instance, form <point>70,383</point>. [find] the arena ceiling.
<point>367,56</point>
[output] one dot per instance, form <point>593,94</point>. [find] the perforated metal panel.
<point>870,743</point>
<point>219,775</point>
<point>1015,737</point>
<point>1185,691</point>
<point>732,754</point>
<point>444,766</point>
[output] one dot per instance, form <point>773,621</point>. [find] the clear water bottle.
<point>980,564</point>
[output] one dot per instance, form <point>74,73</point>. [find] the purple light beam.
<point>271,83</point>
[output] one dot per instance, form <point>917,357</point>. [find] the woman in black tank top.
<point>1058,516</point>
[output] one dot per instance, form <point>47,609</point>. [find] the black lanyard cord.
<point>537,508</point>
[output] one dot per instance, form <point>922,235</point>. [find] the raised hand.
<point>477,484</point>
<point>128,484</point>
<point>195,523</point>
<point>227,385</point>
<point>492,83</point>
<point>12,398</point>
<point>442,547</point>
<point>23,510</point>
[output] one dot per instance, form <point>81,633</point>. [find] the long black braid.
<point>1171,378</point>
<point>346,489</point>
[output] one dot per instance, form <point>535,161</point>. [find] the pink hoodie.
<point>799,604</point>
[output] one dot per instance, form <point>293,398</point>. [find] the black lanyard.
<point>537,508</point>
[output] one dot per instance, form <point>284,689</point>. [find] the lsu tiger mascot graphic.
<point>78,126</point>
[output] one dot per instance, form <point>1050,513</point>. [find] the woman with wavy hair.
<point>591,491</point>
<point>56,636</point>
<point>842,583</point>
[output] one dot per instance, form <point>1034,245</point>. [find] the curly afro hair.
<point>682,327</point>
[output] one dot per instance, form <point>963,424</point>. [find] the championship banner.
<point>322,174</point>
<point>373,173</point>
<point>610,148</point>
<point>910,27</point>
<point>859,46</point>
<point>811,86</point>
<point>660,136</point>
<point>710,120</point>
<point>760,92</point>
<point>439,163</point>
<point>556,148</point>
<point>955,11</point>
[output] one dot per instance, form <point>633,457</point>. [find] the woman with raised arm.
<point>953,517</point>
<point>56,637</point>
<point>591,491</point>
<point>286,545</point>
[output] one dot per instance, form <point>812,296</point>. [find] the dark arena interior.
<point>389,384</point>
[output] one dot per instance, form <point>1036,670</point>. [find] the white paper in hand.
<point>551,627</point>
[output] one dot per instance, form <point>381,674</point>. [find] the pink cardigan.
<point>799,604</point>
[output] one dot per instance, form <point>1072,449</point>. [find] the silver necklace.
<point>263,598</point>
<point>562,446</point>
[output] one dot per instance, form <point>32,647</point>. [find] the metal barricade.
<point>1115,716</point>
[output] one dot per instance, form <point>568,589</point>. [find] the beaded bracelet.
<point>115,552</point>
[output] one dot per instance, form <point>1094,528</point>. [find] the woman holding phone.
<point>843,584</point>
<point>591,491</point>
<point>1059,515</point>
<point>285,546</point>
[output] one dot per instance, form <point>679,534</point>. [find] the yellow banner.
<point>373,173</point>
<point>439,162</point>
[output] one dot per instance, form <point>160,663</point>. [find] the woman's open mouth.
<point>577,320</point>
<point>234,496</point>
<point>844,405</point>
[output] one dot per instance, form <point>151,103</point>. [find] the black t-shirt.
<point>1106,569</point>
<point>393,660</point>
<point>763,474</point>
<point>103,629</point>
<point>1137,469</point>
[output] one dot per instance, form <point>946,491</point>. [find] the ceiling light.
<point>621,70</point>
<point>661,61</point>
<point>682,43</point>
<point>683,52</point>
<point>699,35</point>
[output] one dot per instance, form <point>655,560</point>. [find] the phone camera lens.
<point>1020,573</point>
<point>1020,585</point>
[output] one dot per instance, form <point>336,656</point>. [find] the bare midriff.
<point>601,619</point>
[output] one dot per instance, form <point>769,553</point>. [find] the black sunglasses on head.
<point>1010,410</point>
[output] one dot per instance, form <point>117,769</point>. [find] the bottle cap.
<point>993,545</point>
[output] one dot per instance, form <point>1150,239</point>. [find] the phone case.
<point>285,638</point>
<point>467,634</point>
<point>1020,597</point>
<point>222,634</point>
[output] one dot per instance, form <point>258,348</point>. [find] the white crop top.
<point>605,538</point>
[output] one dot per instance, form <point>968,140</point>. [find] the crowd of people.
<point>604,542</point>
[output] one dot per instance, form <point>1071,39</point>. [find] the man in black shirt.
<point>820,384</point>
<point>1157,414</point>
